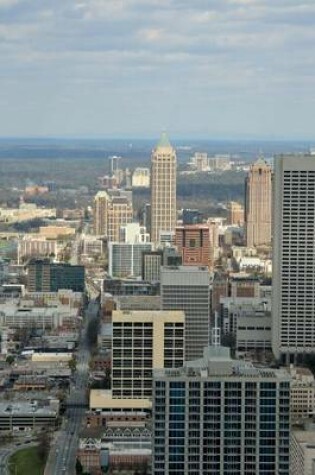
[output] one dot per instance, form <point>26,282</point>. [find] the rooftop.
<point>164,141</point>
<point>25,408</point>
<point>217,362</point>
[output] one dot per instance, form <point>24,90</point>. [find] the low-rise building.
<point>253,333</point>
<point>232,308</point>
<point>55,232</point>
<point>25,416</point>
<point>302,451</point>
<point>103,400</point>
<point>35,246</point>
<point>302,402</point>
<point>14,315</point>
<point>141,178</point>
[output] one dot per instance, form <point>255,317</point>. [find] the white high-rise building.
<point>293,301</point>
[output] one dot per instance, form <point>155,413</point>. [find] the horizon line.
<point>155,138</point>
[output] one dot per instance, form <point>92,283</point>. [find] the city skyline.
<point>120,68</point>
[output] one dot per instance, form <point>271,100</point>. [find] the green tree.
<point>72,364</point>
<point>78,467</point>
<point>43,446</point>
<point>10,359</point>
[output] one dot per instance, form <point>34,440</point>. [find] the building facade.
<point>125,259</point>
<point>236,214</point>
<point>163,189</point>
<point>141,178</point>
<point>112,210</point>
<point>293,256</point>
<point>151,266</point>
<point>44,276</point>
<point>187,289</point>
<point>258,197</point>
<point>302,452</point>
<point>193,244</point>
<point>143,341</point>
<point>30,246</point>
<point>218,416</point>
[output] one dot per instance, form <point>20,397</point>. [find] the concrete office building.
<point>151,266</point>
<point>219,416</point>
<point>141,178</point>
<point>112,210</point>
<point>236,214</point>
<point>133,233</point>
<point>293,257</point>
<point>258,196</point>
<point>232,308</point>
<point>100,213</point>
<point>32,246</point>
<point>302,451</point>
<point>143,341</point>
<point>302,405</point>
<point>125,259</point>
<point>253,333</point>
<point>163,189</point>
<point>187,289</point>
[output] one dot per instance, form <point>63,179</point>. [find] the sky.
<point>213,69</point>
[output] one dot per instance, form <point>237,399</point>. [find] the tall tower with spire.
<point>258,204</point>
<point>163,188</point>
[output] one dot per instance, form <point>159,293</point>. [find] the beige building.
<point>143,341</point>
<point>101,399</point>
<point>101,201</point>
<point>258,204</point>
<point>302,399</point>
<point>236,214</point>
<point>25,212</point>
<point>55,232</point>
<point>112,210</point>
<point>35,246</point>
<point>163,189</point>
<point>302,452</point>
<point>141,178</point>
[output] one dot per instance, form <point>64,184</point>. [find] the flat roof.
<point>102,398</point>
<point>26,408</point>
<point>148,316</point>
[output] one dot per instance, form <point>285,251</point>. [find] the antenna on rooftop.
<point>216,332</point>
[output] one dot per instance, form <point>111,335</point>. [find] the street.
<point>62,456</point>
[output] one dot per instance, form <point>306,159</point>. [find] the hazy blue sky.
<point>206,68</point>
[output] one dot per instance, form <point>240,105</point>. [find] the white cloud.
<point>202,49</point>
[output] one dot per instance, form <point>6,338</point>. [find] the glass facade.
<point>226,426</point>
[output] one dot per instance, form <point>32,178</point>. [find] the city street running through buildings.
<point>62,455</point>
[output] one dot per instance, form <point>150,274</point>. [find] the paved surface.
<point>62,456</point>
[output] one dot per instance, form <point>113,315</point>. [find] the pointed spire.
<point>164,141</point>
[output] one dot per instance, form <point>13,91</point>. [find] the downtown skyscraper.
<point>293,305</point>
<point>219,416</point>
<point>187,288</point>
<point>163,189</point>
<point>258,196</point>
